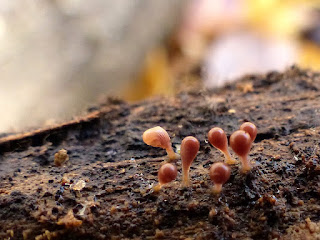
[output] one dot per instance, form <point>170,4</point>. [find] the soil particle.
<point>61,157</point>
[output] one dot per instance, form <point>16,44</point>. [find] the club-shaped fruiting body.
<point>188,151</point>
<point>251,129</point>
<point>158,137</point>
<point>219,174</point>
<point>218,138</point>
<point>167,173</point>
<point>240,142</point>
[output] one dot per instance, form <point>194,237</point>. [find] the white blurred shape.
<point>3,28</point>
<point>234,55</point>
<point>58,56</point>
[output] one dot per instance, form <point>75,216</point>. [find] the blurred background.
<point>59,57</point>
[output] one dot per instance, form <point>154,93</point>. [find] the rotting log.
<point>105,190</point>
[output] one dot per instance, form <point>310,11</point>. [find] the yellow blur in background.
<point>155,77</point>
<point>270,20</point>
<point>57,58</point>
<point>287,19</point>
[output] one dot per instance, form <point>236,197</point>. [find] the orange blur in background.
<point>59,57</point>
<point>231,38</point>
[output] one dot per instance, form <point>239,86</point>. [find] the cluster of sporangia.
<point>240,142</point>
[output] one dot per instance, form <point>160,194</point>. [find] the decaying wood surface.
<point>105,189</point>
